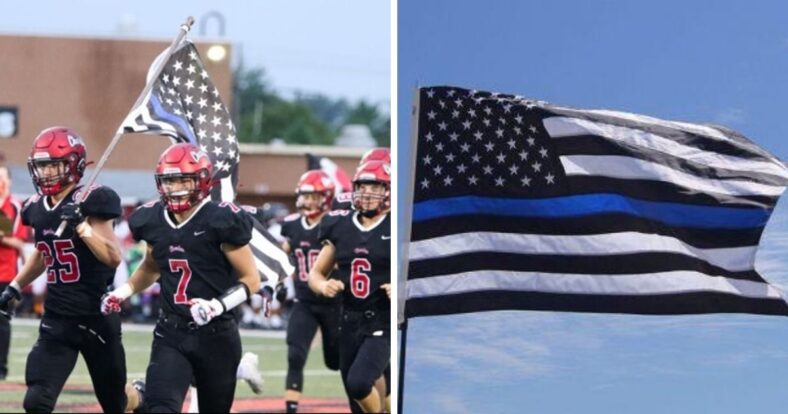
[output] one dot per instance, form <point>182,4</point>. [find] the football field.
<point>322,387</point>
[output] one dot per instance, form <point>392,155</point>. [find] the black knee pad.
<point>296,359</point>
<point>358,388</point>
<point>38,400</point>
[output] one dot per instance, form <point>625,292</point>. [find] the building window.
<point>9,124</point>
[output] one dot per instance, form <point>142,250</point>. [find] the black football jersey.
<point>342,201</point>
<point>363,257</point>
<point>304,248</point>
<point>76,279</point>
<point>189,254</point>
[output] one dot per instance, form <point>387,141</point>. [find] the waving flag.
<point>519,204</point>
<point>336,173</point>
<point>185,106</point>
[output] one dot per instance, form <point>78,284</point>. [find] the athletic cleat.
<point>248,371</point>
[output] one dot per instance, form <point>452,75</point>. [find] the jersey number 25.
<point>68,271</point>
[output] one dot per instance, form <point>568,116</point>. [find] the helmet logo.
<point>197,155</point>
<point>74,141</point>
<point>387,169</point>
<point>172,170</point>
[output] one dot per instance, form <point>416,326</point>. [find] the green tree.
<point>368,114</point>
<point>262,115</point>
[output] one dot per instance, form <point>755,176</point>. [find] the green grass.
<point>272,351</point>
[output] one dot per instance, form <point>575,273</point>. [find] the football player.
<point>80,265</point>
<point>199,252</point>
<point>344,201</point>
<point>310,311</point>
<point>359,243</point>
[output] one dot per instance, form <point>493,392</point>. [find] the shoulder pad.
<point>293,217</point>
<point>149,204</point>
<point>31,200</point>
<point>232,224</point>
<point>250,209</point>
<point>140,217</point>
<point>26,207</point>
<point>101,202</point>
<point>333,213</point>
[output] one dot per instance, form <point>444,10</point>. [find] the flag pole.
<point>184,29</point>
<point>407,215</point>
<point>403,327</point>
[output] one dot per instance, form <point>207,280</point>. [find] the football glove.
<point>110,304</point>
<point>72,213</point>
<point>8,300</point>
<point>203,311</point>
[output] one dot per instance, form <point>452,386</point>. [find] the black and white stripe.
<point>627,250</point>
<point>185,106</point>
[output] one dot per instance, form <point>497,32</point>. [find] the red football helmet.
<point>377,154</point>
<point>372,172</point>
<point>183,161</point>
<point>314,181</point>
<point>59,148</point>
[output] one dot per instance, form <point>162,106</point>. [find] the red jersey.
<point>9,257</point>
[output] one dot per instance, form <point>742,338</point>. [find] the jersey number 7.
<point>181,265</point>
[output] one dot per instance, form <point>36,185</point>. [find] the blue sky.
<point>721,62</point>
<point>341,49</point>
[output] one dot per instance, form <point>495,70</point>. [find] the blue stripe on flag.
<point>676,214</point>
<point>172,119</point>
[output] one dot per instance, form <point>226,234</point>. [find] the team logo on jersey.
<point>176,248</point>
<point>360,250</point>
<point>49,232</point>
<point>305,244</point>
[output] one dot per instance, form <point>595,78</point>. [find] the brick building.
<point>89,84</point>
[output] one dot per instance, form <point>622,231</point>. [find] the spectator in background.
<point>12,238</point>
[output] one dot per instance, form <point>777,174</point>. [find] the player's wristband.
<point>14,284</point>
<point>234,296</point>
<point>123,292</point>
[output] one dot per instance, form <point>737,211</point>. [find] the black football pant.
<point>364,352</point>
<point>180,352</point>
<point>60,340</point>
<point>301,329</point>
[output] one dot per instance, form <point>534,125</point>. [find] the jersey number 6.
<point>359,280</point>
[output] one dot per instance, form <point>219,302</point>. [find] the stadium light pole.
<point>217,52</point>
